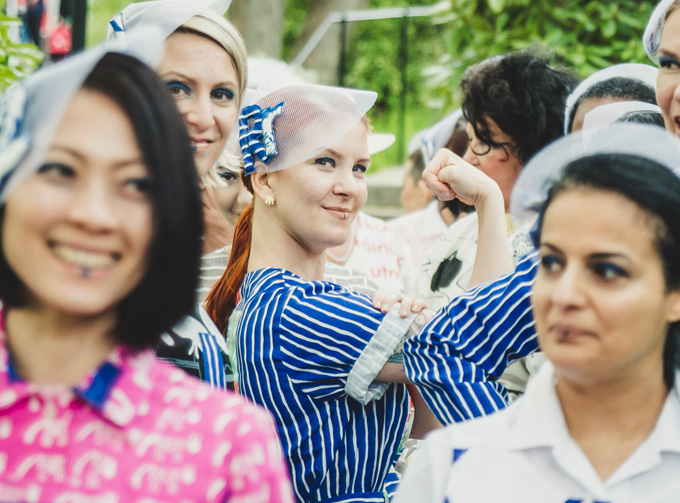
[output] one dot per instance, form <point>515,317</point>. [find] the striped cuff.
<point>391,332</point>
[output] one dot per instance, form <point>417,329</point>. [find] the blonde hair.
<point>227,162</point>
<point>222,32</point>
<point>675,5</point>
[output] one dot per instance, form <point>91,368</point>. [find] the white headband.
<point>636,71</point>
<point>652,36</point>
<point>545,168</point>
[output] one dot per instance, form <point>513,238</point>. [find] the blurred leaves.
<point>583,35</point>
<point>16,60</point>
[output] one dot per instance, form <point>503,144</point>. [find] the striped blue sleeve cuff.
<point>391,332</point>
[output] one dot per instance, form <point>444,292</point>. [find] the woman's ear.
<point>673,314</point>
<point>261,187</point>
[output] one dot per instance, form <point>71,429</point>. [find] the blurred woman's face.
<point>600,300</point>
<point>77,233</point>
<point>232,197</point>
<point>317,200</point>
<point>500,164</point>
<point>201,77</point>
<point>668,80</point>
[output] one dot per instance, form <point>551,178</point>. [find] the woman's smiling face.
<point>77,233</point>
<point>668,80</point>
<point>317,200</point>
<point>201,76</point>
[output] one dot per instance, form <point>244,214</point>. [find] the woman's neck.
<point>273,247</point>
<point>609,420</point>
<point>48,347</point>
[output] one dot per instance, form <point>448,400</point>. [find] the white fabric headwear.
<point>31,110</point>
<point>652,36</point>
<point>611,112</point>
<point>545,168</point>
<point>292,124</point>
<point>636,71</point>
<point>377,142</point>
<point>437,136</point>
<point>168,15</point>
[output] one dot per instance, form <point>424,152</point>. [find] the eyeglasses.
<point>480,148</point>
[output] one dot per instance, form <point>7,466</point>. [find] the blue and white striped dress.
<point>457,357</point>
<point>294,346</point>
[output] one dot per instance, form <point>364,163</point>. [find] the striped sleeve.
<point>459,354</point>
<point>322,335</point>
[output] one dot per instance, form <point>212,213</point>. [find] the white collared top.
<point>524,454</point>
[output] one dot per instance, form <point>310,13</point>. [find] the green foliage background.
<point>16,60</point>
<point>583,35</point>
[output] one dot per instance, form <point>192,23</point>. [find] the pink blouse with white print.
<point>137,430</point>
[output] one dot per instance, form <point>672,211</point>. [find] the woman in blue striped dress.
<point>312,352</point>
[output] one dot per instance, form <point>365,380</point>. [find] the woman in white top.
<point>599,422</point>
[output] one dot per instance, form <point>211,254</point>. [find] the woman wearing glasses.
<point>514,105</point>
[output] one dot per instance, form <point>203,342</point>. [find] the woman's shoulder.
<point>278,281</point>
<point>175,390</point>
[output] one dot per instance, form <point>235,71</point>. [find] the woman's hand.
<point>384,301</point>
<point>449,177</point>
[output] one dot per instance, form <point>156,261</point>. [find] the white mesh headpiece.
<point>31,110</point>
<point>438,135</point>
<point>287,126</point>
<point>636,71</point>
<point>652,35</point>
<point>545,168</point>
<point>611,112</point>
<point>168,15</point>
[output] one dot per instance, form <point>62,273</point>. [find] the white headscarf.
<point>652,36</point>
<point>545,168</point>
<point>289,125</point>
<point>168,15</point>
<point>31,110</point>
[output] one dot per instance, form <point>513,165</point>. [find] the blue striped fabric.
<point>213,364</point>
<point>294,346</point>
<point>457,356</point>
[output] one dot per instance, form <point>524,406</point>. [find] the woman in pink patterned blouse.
<point>101,226</point>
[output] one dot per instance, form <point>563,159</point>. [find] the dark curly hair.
<point>521,93</point>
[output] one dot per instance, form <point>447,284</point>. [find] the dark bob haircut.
<point>656,191</point>
<point>620,88</point>
<point>521,93</point>
<point>166,291</point>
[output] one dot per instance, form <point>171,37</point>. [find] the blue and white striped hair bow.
<point>259,139</point>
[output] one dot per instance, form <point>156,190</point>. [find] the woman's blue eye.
<point>360,168</point>
<point>57,170</point>
<point>223,94</point>
<point>325,161</point>
<point>669,63</point>
<point>178,88</point>
<point>608,271</point>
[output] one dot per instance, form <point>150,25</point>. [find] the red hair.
<point>221,300</point>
